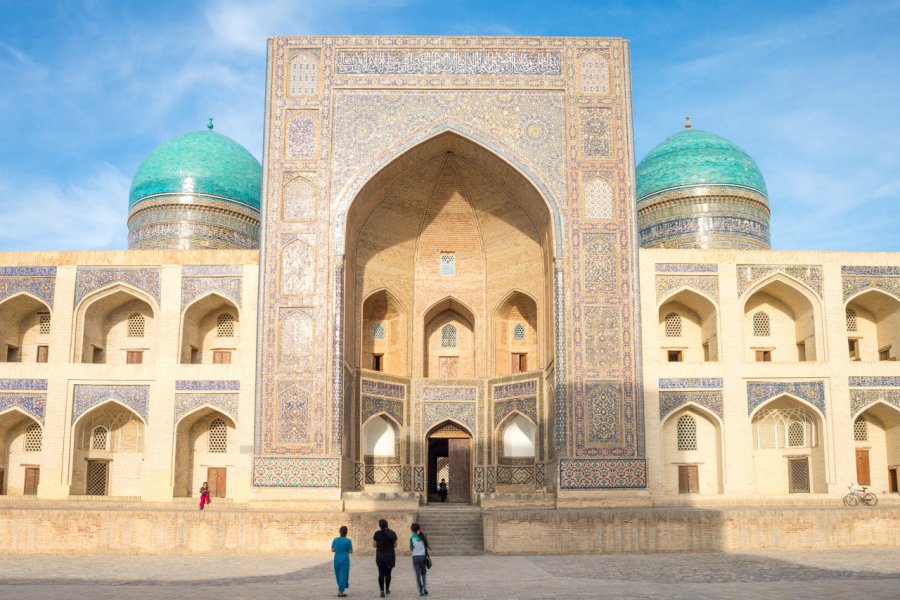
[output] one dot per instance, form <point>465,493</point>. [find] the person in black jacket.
<point>384,542</point>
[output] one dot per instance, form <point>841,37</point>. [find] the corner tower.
<point>698,190</point>
<point>198,190</point>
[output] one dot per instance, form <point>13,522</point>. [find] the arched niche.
<point>210,331</point>
<point>381,452</point>
<point>115,326</point>
<point>24,329</point>
<point>205,439</point>
<point>688,327</point>
<point>449,348</point>
<point>384,334</point>
<point>788,447</point>
<point>872,319</point>
<point>692,451</point>
<point>21,442</point>
<point>108,452</point>
<point>792,312</point>
<point>876,442</point>
<point>515,335</point>
<point>518,438</point>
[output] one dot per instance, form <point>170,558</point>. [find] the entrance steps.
<point>453,529</point>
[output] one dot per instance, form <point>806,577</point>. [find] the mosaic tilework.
<point>877,381</point>
<point>855,279</point>
<point>271,471</point>
<point>211,270</point>
<point>478,478</point>
<point>461,412</point>
<point>870,271</point>
<point>295,336</point>
<point>407,478</point>
<point>23,384</point>
<point>441,393</point>
<point>448,62</point>
<point>225,385</point>
<point>602,337</point>
<point>40,282</point>
<point>419,479</point>
<point>293,413</point>
<point>672,401</point>
<point>726,229</point>
<point>359,475</point>
<point>749,275</point>
<point>759,392</point>
<point>299,196</point>
<point>515,389</point>
<point>203,223</point>
<point>598,198</point>
<point>303,73</point>
<point>197,287</point>
<point>594,473</point>
<point>510,475</point>
<point>298,263</point>
<point>372,405</point>
<point>603,408</point>
<point>687,383</point>
<point>687,268</point>
<point>596,132</point>
<point>526,406</point>
<point>383,388</point>
<point>860,399</point>
<point>600,260</point>
<point>559,328</point>
<point>489,479</point>
<point>383,474</point>
<point>135,397</point>
<point>90,279</point>
<point>593,74</point>
<point>32,404</point>
<point>188,403</point>
<point>301,137</point>
<point>707,284</point>
<point>340,393</point>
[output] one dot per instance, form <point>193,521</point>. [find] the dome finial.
<point>210,124</point>
<point>687,122</point>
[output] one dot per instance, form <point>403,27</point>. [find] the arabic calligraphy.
<point>449,62</point>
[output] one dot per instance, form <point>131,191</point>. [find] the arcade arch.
<point>24,329</point>
<point>115,326</point>
<point>876,436</point>
<point>692,451</point>
<point>688,326</point>
<point>210,331</point>
<point>206,449</point>
<point>873,326</point>
<point>21,441</point>
<point>108,452</point>
<point>788,447</point>
<point>781,322</point>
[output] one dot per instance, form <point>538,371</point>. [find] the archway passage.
<point>210,332</point>
<point>873,326</point>
<point>450,458</point>
<point>108,453</point>
<point>205,450</point>
<point>781,323</point>
<point>688,327</point>
<point>876,436</point>
<point>20,453</point>
<point>24,329</point>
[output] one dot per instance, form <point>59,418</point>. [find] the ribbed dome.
<point>692,158</point>
<point>200,163</point>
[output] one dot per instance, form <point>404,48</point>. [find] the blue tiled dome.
<point>694,157</point>
<point>203,163</point>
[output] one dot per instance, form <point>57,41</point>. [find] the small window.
<point>763,356</point>
<point>519,332</point>
<point>44,327</point>
<point>100,438</point>
<point>448,336</point>
<point>687,433</point>
<point>675,355</point>
<point>795,434</point>
<point>853,347</point>
<point>97,355</point>
<point>225,326</point>
<point>13,354</point>
<point>378,331</point>
<point>136,326</point>
<point>860,430</point>
<point>378,362</point>
<point>851,320</point>
<point>885,354</point>
<point>33,438</point>
<point>761,326</point>
<point>519,362</point>
<point>221,357</point>
<point>43,353</point>
<point>673,325</point>
<point>448,264</point>
<point>134,357</point>
<point>218,436</point>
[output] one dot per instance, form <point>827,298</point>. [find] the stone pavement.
<point>873,574</point>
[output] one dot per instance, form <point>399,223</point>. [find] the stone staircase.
<point>452,529</point>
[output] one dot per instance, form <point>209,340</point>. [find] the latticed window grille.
<point>798,473</point>
<point>761,325</point>
<point>378,331</point>
<point>218,436</point>
<point>851,320</point>
<point>44,327</point>
<point>96,478</point>
<point>225,325</point>
<point>687,433</point>
<point>518,332</point>
<point>795,434</point>
<point>860,430</point>
<point>100,438</point>
<point>781,428</point>
<point>448,264</point>
<point>443,469</point>
<point>448,336</point>
<point>673,325</point>
<point>136,326</point>
<point>33,438</point>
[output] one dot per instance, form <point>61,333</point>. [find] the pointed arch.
<point>795,312</point>
<point>450,422</point>
<point>698,334</point>
<point>104,404</point>
<point>876,320</point>
<point>806,403</point>
<point>892,408</point>
<point>698,408</point>
<point>192,453</point>
<point>384,333</point>
<point>198,330</point>
<point>101,321</point>
<point>23,316</point>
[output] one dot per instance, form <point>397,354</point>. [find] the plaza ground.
<point>870,573</point>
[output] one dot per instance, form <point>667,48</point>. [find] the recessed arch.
<point>194,456</point>
<point>516,338</point>
<point>795,315</point>
<point>101,326</point>
<point>519,444</point>
<point>789,396</point>
<point>891,408</point>
<point>696,338</point>
<point>384,333</point>
<point>702,410</point>
<point>17,448</point>
<point>200,337</point>
<point>116,469</point>
<point>25,330</point>
<point>876,319</point>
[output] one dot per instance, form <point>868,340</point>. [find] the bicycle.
<point>855,497</point>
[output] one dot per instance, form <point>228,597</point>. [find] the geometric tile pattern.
<point>135,397</point>
<point>706,284</point>
<point>461,412</point>
<point>188,403</point>
<point>40,282</point>
<point>208,385</point>
<point>596,132</point>
<point>860,398</point>
<point>748,275</point>
<point>23,384</point>
<point>296,472</point>
<point>89,279</point>
<point>855,279</point>
<point>593,74</point>
<point>671,401</point>
<point>195,287</point>
<point>687,268</point>
<point>33,404</point>
<point>600,263</point>
<point>878,381</point>
<point>710,383</point>
<point>759,392</point>
<point>599,473</point>
<point>598,198</point>
<point>372,405</point>
<point>525,406</point>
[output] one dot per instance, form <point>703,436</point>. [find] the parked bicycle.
<point>860,496</point>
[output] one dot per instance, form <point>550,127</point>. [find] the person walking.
<point>443,490</point>
<point>204,495</point>
<point>342,548</point>
<point>418,545</point>
<point>385,542</point>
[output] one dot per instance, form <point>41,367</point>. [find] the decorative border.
<point>384,389</point>
<point>211,270</point>
<point>86,397</point>
<point>874,381</point>
<point>89,279</point>
<point>669,402</point>
<point>372,405</point>
<point>225,403</point>
<point>703,383</point>
<point>876,271</point>
<point>708,284</point>
<point>860,399</point>
<point>278,471</point>
<point>37,281</point>
<point>759,392</point>
<point>196,287</point>
<point>749,275</point>
<point>23,384</point>
<point>34,405</point>
<point>183,385</point>
<point>602,473</point>
<point>687,268</point>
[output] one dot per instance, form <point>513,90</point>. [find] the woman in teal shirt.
<point>342,548</point>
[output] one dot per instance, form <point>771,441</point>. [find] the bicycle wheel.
<point>870,499</point>
<point>851,500</point>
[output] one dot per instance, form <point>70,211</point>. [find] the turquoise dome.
<point>202,163</point>
<point>693,158</point>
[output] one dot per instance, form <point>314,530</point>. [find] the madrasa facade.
<point>448,266</point>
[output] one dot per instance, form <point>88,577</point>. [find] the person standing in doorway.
<point>385,542</point>
<point>204,495</point>
<point>342,548</point>
<point>443,490</point>
<point>418,545</point>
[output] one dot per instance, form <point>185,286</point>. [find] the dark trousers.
<point>384,578</point>
<point>421,573</point>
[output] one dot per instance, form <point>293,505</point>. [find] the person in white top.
<point>418,545</point>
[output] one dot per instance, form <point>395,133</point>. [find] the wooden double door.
<point>450,458</point>
<point>217,479</point>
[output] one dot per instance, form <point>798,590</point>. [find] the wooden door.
<point>892,480</point>
<point>688,480</point>
<point>459,470</point>
<point>216,478</point>
<point>863,476</point>
<point>32,479</point>
<point>449,367</point>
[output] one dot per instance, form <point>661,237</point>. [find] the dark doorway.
<point>449,457</point>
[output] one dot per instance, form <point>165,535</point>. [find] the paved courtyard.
<point>872,574</point>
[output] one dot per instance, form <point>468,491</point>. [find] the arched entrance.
<point>450,458</point>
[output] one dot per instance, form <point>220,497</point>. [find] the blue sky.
<point>810,89</point>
